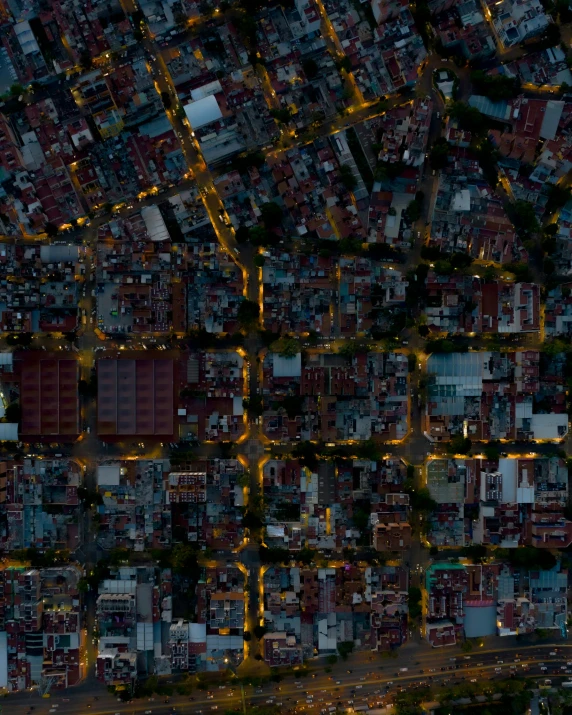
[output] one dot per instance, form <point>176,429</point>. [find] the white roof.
<point>275,531</point>
<point>461,201</point>
<point>108,475</point>
<point>154,223</point>
<point>549,426</point>
<point>203,111</point>
<point>26,38</point>
<point>6,359</point>
<point>287,366</point>
<point>8,431</point>
<point>206,90</point>
<point>144,636</point>
<point>197,632</point>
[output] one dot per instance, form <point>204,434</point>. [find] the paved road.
<point>363,678</point>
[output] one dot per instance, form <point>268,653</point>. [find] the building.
<point>506,502</point>
<point>40,627</point>
<point>131,514</point>
<point>514,21</point>
<point>136,397</point>
<point>49,396</point>
<point>491,395</point>
<point>130,608</point>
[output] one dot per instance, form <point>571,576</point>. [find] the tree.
<point>306,453</point>
<point>558,196</point>
<point>476,552</point>
<point>352,348</point>
<point>166,99</point>
<point>13,412</point>
<point>528,557</point>
<point>459,445</point>
<point>259,260</point>
<point>258,236</point>
<point>495,87</point>
<point>259,631</point>
<point>51,229</point>
<point>414,602</point>
<point>347,177</point>
<point>85,60</point>
<point>183,558</point>
<point>250,520</point>
<point>439,156</point>
<point>242,234</point>
<point>413,211</point>
<point>332,659</point>
<point>460,260</point>
<point>310,68</point>
<point>271,214</point>
<point>344,64</point>
<point>248,314</point>
<point>345,648</point>
<point>422,501</point>
<point>523,216</point>
<point>254,405</point>
<point>286,347</point>
<point>491,452</point>
<point>469,118</point>
<point>281,115</point>
<point>274,555</point>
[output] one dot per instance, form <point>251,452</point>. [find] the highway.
<point>364,678</point>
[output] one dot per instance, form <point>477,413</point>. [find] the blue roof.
<point>496,110</point>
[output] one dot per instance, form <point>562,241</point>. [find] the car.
<point>148,712</point>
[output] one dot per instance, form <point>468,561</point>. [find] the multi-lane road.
<point>365,679</point>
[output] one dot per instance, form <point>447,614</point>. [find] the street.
<point>364,678</point>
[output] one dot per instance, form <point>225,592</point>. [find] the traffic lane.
<point>380,685</point>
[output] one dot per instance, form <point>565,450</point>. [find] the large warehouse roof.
<point>154,223</point>
<point>135,397</point>
<point>49,395</point>
<point>203,111</point>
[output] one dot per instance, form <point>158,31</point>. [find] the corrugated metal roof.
<point>203,112</point>
<point>497,110</point>
<point>287,366</point>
